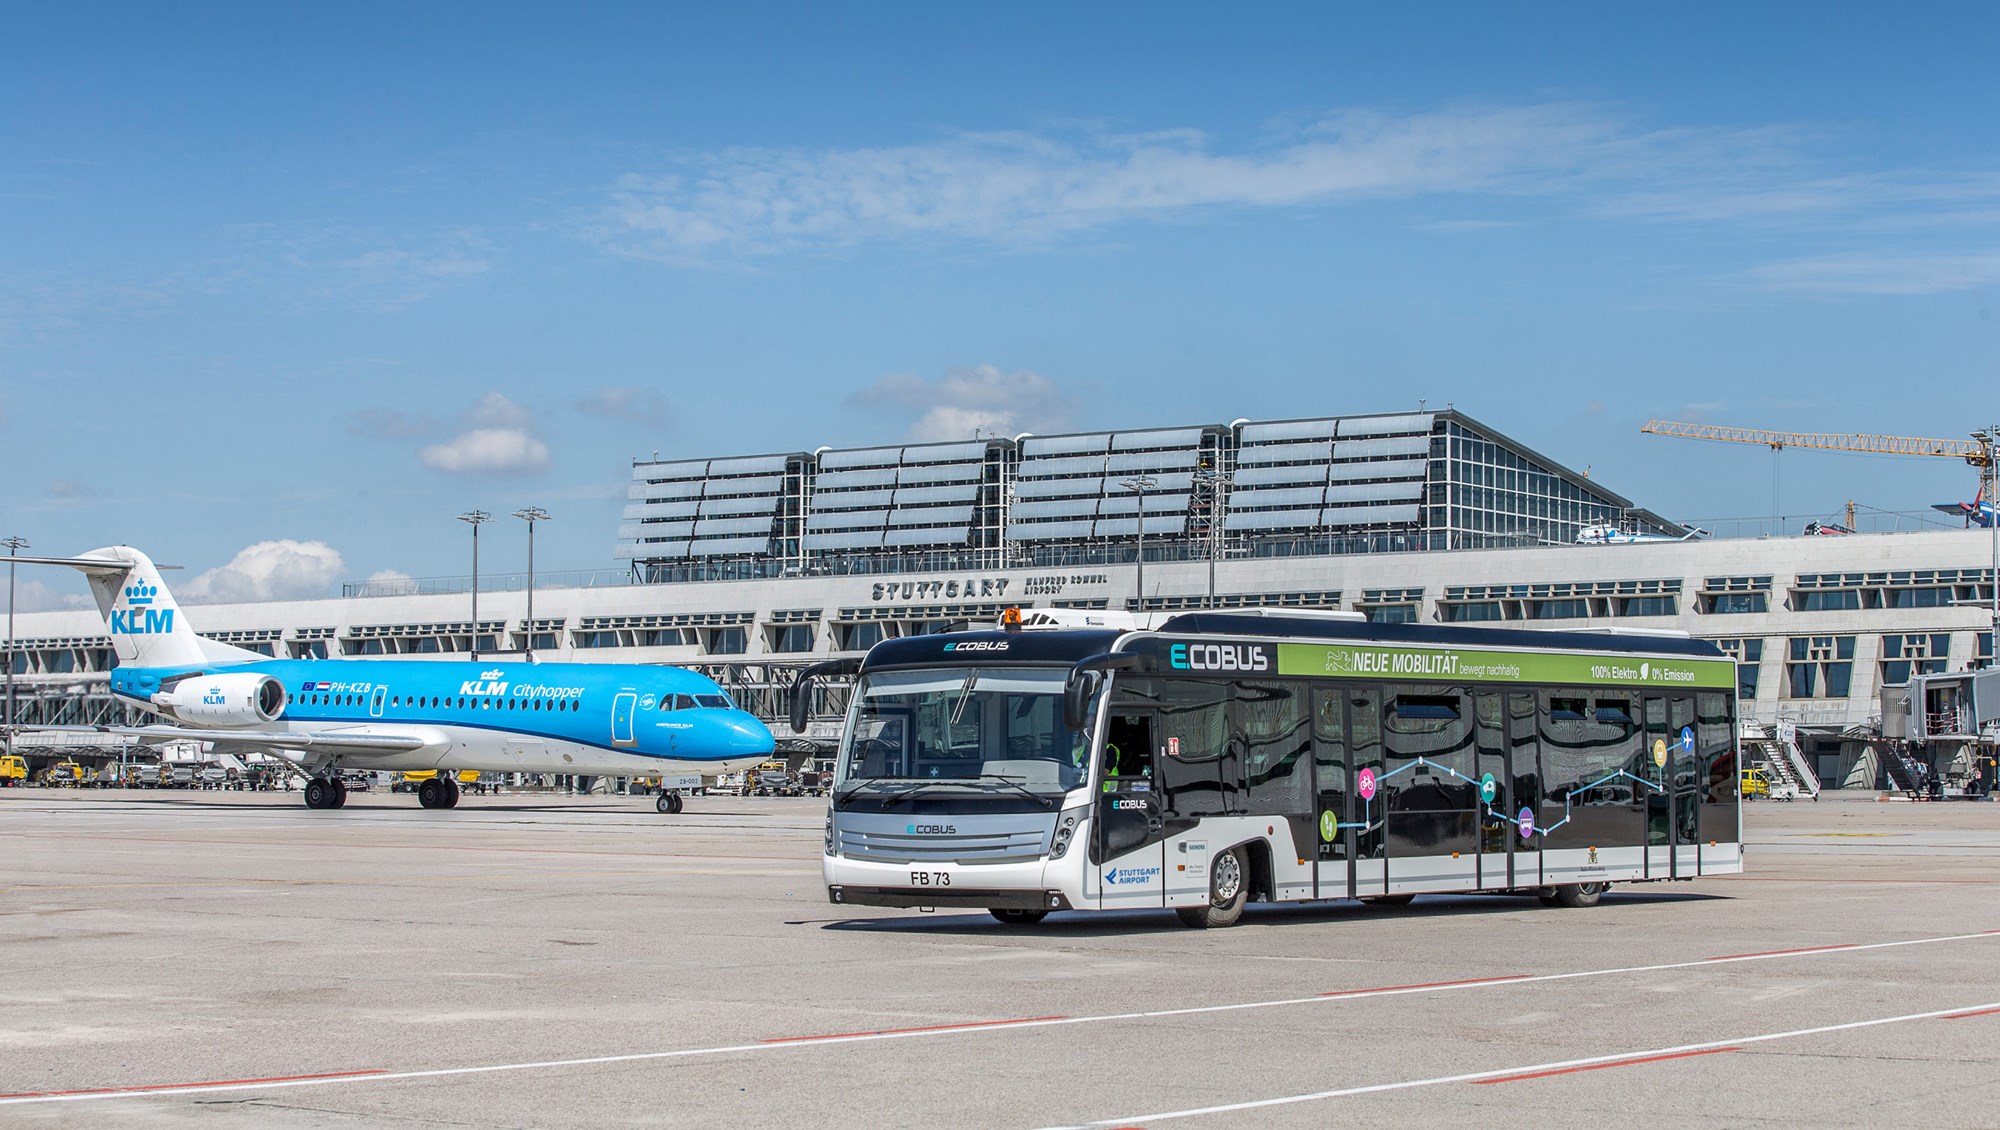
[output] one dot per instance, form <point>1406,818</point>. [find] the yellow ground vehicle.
<point>418,776</point>
<point>1755,783</point>
<point>13,772</point>
<point>65,774</point>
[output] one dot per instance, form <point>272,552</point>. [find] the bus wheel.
<point>1579,895</point>
<point>1016,917</point>
<point>1388,900</point>
<point>1228,890</point>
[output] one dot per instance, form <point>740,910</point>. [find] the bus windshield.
<point>963,729</point>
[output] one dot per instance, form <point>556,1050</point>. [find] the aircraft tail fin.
<point>147,627</point>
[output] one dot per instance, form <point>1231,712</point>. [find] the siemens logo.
<point>977,645</point>
<point>932,830</point>
<point>1219,657</point>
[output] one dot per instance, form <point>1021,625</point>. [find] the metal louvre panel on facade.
<point>940,473</point>
<point>847,519</point>
<point>849,480</point>
<point>709,527</point>
<point>1374,492</point>
<point>665,492</point>
<point>1164,482</point>
<point>1044,488</point>
<point>1055,508</point>
<point>1317,452</point>
<point>852,500</point>
<point>1064,465</point>
<point>1048,531</point>
<point>684,508</point>
<point>1272,519</point>
<point>846,539</point>
<point>1378,469</point>
<point>747,465</point>
<point>860,457</point>
<point>1127,502</point>
<point>973,452</point>
<point>1247,478</point>
<point>931,516</point>
<point>1156,524</point>
<point>749,484</point>
<point>1162,437</point>
<point>1287,498</point>
<point>1370,515</point>
<point>943,535</point>
<point>675,528</point>
<point>1148,461</point>
<point>1386,425</point>
<point>677,469</point>
<point>716,547</point>
<point>1345,448</point>
<point>965,493</point>
<point>755,504</point>
<point>1280,430</point>
<point>1036,446</point>
<point>655,550</point>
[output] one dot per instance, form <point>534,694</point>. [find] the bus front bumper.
<point>956,897</point>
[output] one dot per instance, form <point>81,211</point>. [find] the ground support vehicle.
<point>13,771</point>
<point>1224,758</point>
<point>65,775</point>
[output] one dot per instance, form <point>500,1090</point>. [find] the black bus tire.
<point>1388,900</point>
<point>1014,916</point>
<point>1228,890</point>
<point>1576,896</point>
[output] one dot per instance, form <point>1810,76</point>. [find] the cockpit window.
<point>714,701</point>
<point>676,702</point>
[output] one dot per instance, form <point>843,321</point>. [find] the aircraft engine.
<point>227,701</point>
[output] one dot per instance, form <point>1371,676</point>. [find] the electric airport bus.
<point>1225,757</point>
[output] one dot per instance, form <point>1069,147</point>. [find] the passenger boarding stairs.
<point>1791,776</point>
<point>1904,774</point>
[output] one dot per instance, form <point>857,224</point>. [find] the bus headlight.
<point>829,834</point>
<point>1066,831</point>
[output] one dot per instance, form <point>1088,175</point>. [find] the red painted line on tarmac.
<point>1601,1066</point>
<point>149,1088</point>
<point>1782,953</point>
<point>1968,1015</point>
<point>1847,882</point>
<point>901,1031</point>
<point>1426,985</point>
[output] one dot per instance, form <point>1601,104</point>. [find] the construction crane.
<point>1976,451</point>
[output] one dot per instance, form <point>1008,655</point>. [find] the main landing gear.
<point>669,802</point>
<point>326,792</point>
<point>438,792</point>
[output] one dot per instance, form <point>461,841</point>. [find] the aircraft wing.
<point>334,742</point>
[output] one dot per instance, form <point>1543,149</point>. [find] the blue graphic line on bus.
<point>1366,826</point>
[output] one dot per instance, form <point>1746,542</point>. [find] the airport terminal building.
<point>751,566</point>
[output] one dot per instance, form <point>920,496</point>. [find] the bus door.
<point>1432,790</point>
<point>1333,871</point>
<point>1493,798</point>
<point>1198,760</point>
<point>1128,844</point>
<point>1673,824</point>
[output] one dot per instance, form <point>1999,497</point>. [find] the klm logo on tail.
<point>141,618</point>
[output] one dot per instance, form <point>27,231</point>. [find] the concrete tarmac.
<point>234,960</point>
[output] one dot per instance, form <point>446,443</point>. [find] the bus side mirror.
<point>802,688</point>
<point>1076,698</point>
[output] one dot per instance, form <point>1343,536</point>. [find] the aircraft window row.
<point>417,702</point>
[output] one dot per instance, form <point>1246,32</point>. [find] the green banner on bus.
<point>1446,665</point>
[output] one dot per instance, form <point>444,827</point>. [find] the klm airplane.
<point>327,715</point>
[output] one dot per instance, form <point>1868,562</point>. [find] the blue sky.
<point>335,274</point>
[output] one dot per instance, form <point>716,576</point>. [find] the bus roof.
<point>1441,635</point>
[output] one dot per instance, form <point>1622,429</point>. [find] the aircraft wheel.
<point>339,794</point>
<point>449,797</point>
<point>319,793</point>
<point>430,794</point>
<point>669,803</point>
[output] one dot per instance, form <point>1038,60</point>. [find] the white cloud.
<point>496,411</point>
<point>967,402</point>
<point>389,576</point>
<point>626,402</point>
<point>488,451</point>
<point>1883,274</point>
<point>31,595</point>
<point>269,570</point>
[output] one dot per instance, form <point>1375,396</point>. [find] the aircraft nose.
<point>749,737</point>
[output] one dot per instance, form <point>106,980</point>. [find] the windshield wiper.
<point>1015,784</point>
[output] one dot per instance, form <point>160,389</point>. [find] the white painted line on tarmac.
<point>1010,1025</point>
<point>1735,1043</point>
